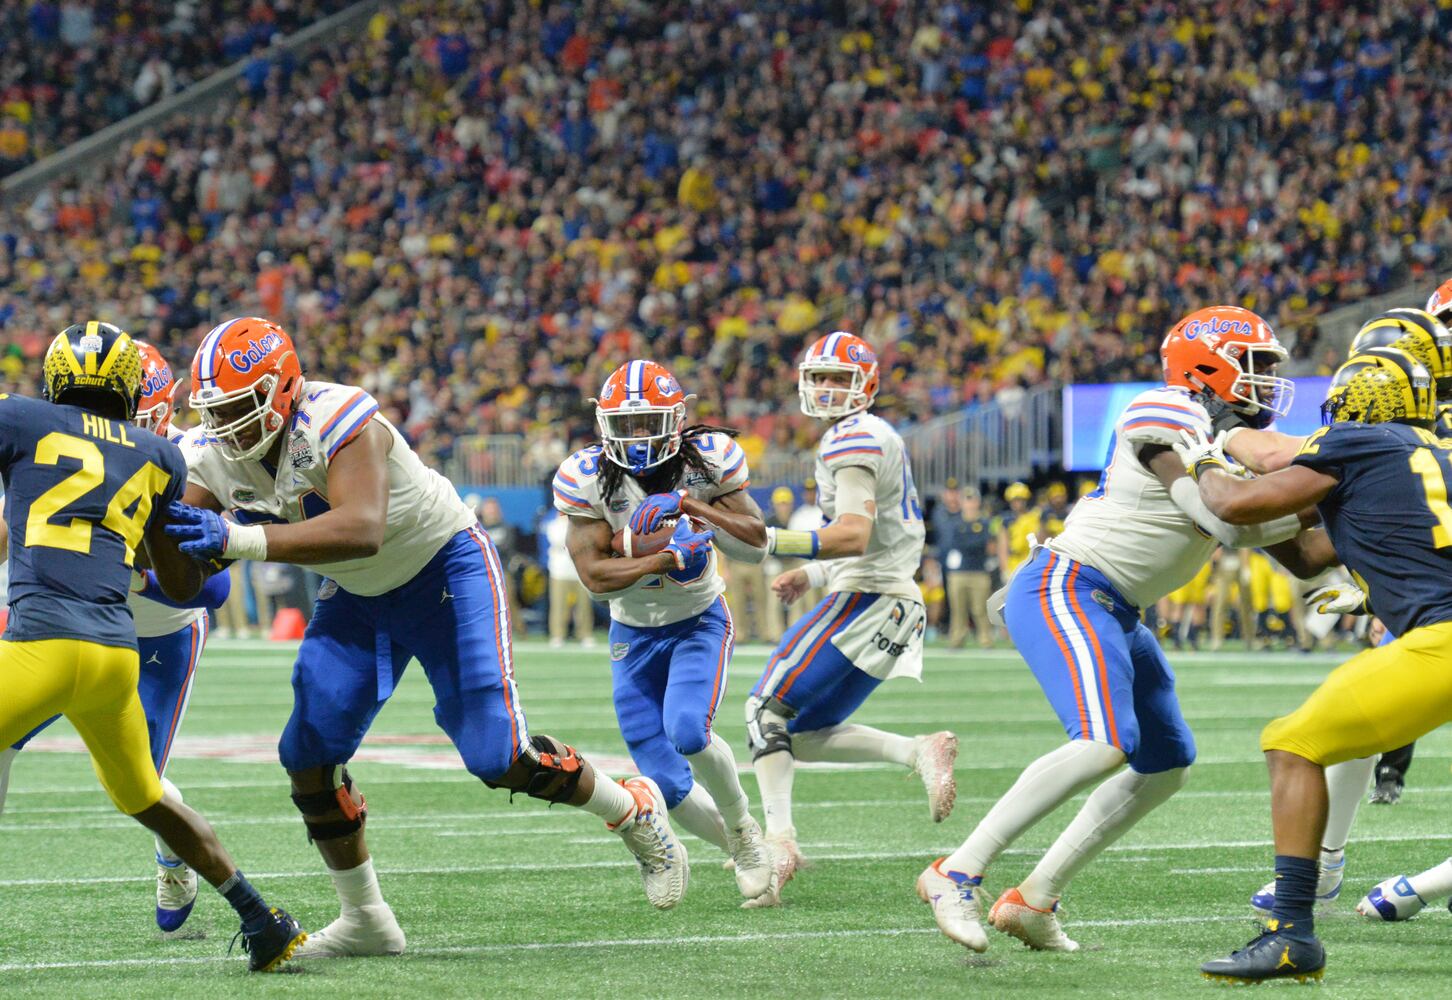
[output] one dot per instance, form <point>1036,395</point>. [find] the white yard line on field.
<point>641,942</point>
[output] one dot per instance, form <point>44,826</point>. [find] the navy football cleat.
<point>1274,954</point>
<point>274,944</point>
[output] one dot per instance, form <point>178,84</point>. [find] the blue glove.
<point>202,533</point>
<point>654,509</point>
<point>691,548</point>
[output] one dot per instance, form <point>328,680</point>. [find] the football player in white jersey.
<point>870,625</point>
<point>1073,611</point>
<point>671,634</point>
<point>170,639</point>
<point>312,473</point>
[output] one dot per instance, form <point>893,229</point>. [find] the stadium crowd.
<point>69,69</point>
<point>475,209</point>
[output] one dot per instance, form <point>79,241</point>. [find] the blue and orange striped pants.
<point>1101,668</point>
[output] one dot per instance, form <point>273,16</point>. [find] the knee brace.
<point>766,730</point>
<point>547,770</point>
<point>317,808</point>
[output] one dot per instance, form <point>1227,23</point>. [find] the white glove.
<point>1338,599</point>
<point>1198,451</point>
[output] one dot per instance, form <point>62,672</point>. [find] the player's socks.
<point>850,743</point>
<point>1043,786</point>
<point>1346,785</point>
<point>1434,883</point>
<point>7,756</point>
<point>715,767</point>
<point>774,774</point>
<point>357,887</point>
<point>1110,811</point>
<point>610,800</point>
<point>247,901</point>
<point>1295,896</point>
<point>164,854</point>
<point>697,814</point>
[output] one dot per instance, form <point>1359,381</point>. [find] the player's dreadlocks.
<point>667,476</point>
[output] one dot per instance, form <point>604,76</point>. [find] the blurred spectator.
<point>565,586</point>
<point>1015,526</point>
<point>965,543</point>
<point>505,537</point>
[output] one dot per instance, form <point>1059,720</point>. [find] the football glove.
<point>689,547</point>
<point>1200,453</point>
<point>654,509</point>
<point>1338,599</point>
<point>206,535</point>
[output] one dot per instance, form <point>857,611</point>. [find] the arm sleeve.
<point>212,596</point>
<point>734,548</point>
<point>1186,496</point>
<point>855,488</point>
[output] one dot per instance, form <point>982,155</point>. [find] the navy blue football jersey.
<point>1388,516</point>
<point>80,491</point>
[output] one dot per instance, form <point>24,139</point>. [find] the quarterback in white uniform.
<point>671,634</point>
<point>311,473</point>
<point>870,625</point>
<point>169,643</point>
<point>1073,612</point>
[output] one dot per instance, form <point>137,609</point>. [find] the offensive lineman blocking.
<point>314,474</point>
<point>1073,612</point>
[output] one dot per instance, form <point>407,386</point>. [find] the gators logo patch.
<point>1103,600</point>
<point>618,650</point>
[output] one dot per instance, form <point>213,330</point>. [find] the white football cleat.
<point>957,906</point>
<point>1328,890</point>
<point>658,851</point>
<point>361,930</point>
<point>176,893</point>
<point>786,859</point>
<point>1393,899</point>
<point>933,758</point>
<point>753,858</point>
<point>1039,929</point>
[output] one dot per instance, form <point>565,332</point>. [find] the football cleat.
<point>1388,792</point>
<point>753,858</point>
<point>274,944</point>
<point>1039,929</point>
<point>783,867</point>
<point>176,893</point>
<point>1328,889</point>
<point>658,851</point>
<point>1390,900</point>
<point>1273,954</point>
<point>361,930</point>
<point>957,904</point>
<point>933,758</point>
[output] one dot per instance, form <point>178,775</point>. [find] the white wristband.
<point>816,574</point>
<point>246,541</point>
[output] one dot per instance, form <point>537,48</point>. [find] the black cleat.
<point>274,944</point>
<point>1272,955</point>
<point>1388,791</point>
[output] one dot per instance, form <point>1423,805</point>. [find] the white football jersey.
<point>656,600</point>
<point>896,546</point>
<point>1128,528</point>
<point>152,617</point>
<point>424,509</point>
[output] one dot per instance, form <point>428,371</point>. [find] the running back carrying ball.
<point>631,545</point>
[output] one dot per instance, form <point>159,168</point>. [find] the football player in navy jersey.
<point>82,491</point>
<point>1378,476</point>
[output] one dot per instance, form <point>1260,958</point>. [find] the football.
<point>630,545</point>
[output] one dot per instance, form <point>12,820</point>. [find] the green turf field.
<point>518,900</point>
